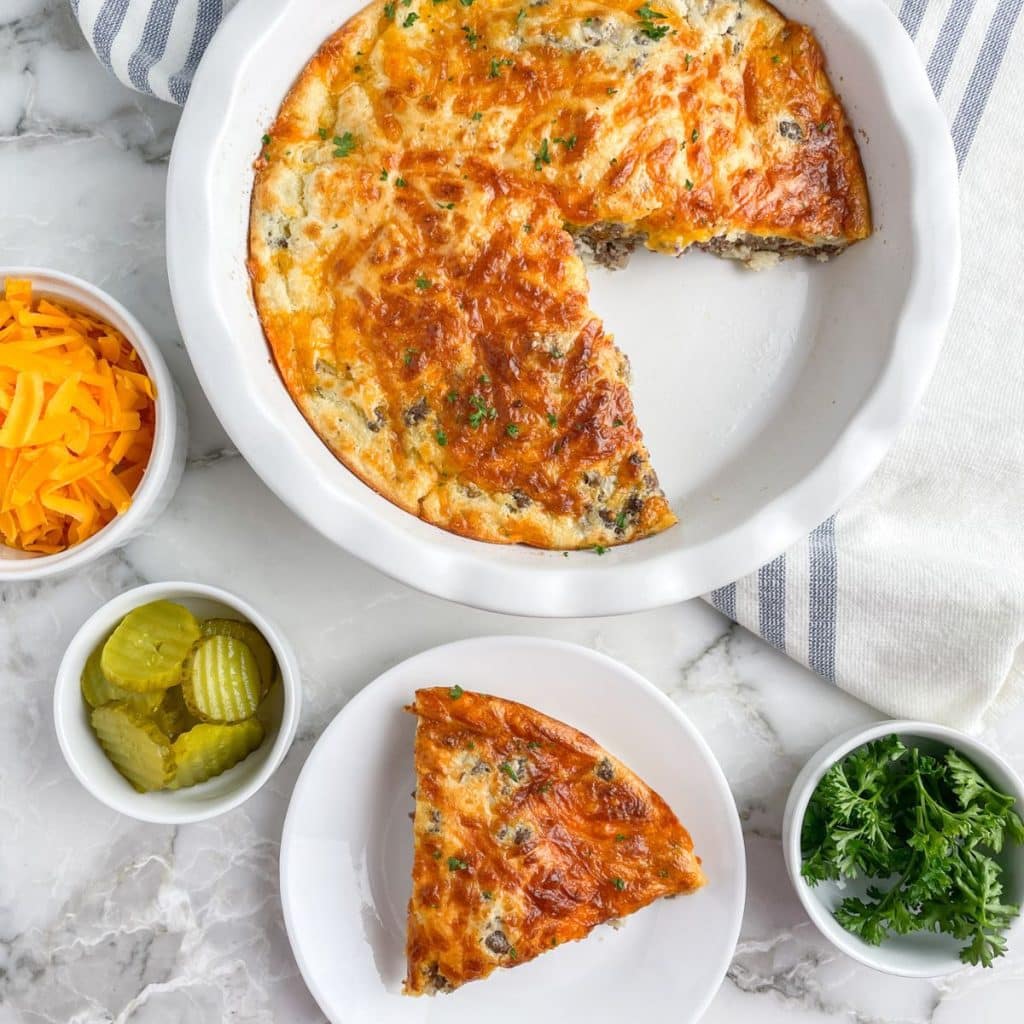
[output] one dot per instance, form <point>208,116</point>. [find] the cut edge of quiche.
<point>527,835</point>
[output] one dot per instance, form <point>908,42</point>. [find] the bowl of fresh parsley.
<point>905,844</point>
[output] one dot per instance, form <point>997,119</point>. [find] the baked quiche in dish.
<point>426,197</point>
<point>527,834</point>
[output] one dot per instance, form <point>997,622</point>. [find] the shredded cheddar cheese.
<point>77,416</point>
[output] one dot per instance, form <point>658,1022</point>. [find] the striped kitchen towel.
<point>152,45</point>
<point>912,596</point>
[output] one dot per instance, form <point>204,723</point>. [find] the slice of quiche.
<point>527,834</point>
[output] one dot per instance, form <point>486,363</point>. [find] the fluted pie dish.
<point>764,398</point>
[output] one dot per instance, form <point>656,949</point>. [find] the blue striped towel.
<point>912,596</point>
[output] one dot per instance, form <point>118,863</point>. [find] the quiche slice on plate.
<point>527,834</point>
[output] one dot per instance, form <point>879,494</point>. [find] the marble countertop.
<point>107,919</point>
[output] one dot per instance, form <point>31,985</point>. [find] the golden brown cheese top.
<point>411,262</point>
<point>527,835</point>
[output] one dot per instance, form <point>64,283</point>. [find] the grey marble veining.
<point>105,919</point>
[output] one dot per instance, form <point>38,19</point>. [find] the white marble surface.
<point>106,919</point>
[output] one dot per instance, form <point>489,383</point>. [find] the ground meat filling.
<point>611,245</point>
<point>606,245</point>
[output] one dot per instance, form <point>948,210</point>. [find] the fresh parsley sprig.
<point>926,831</point>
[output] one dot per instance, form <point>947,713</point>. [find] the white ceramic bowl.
<point>167,461</point>
<point>280,712</point>
<point>919,955</point>
<point>766,399</point>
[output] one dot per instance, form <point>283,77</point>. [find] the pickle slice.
<point>98,690</point>
<point>247,632</point>
<point>208,749</point>
<point>149,646</point>
<point>135,746</point>
<point>172,715</point>
<point>222,680</point>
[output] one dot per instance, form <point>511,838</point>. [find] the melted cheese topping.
<point>412,235</point>
<point>528,834</point>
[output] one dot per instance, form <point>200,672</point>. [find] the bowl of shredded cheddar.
<point>92,427</point>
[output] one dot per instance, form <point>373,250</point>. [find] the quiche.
<point>527,835</point>
<point>426,197</point>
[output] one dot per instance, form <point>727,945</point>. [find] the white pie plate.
<point>346,852</point>
<point>766,399</point>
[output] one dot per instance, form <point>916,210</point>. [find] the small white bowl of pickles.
<point>175,702</point>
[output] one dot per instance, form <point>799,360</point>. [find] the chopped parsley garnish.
<point>925,830</point>
<point>437,855</point>
<point>617,422</point>
<point>648,16</point>
<point>487,894</point>
<point>383,174</point>
<point>569,143</point>
<point>542,156</point>
<point>620,838</point>
<point>266,140</point>
<point>454,864</point>
<point>545,786</point>
<point>600,549</point>
<point>495,69</point>
<point>400,182</point>
<point>447,206</point>
<point>478,116</point>
<point>423,283</point>
<point>617,882</point>
<point>556,352</point>
<point>508,770</point>
<point>441,437</point>
<point>688,60</point>
<point>484,379</point>
<point>344,144</point>
<point>410,355</point>
<point>620,521</point>
<point>512,430</point>
<point>471,37</point>
<point>694,135</point>
<point>520,16</point>
<point>322,132</point>
<point>453,396</point>
<point>410,19</point>
<point>689,185</point>
<point>823,126</point>
<point>552,420</point>
<point>466,3</point>
<point>481,411</point>
<point>776,59</point>
<point>389,11</point>
<point>512,952</point>
<point>611,90</point>
<point>455,692</point>
<point>532,745</point>
<point>527,229</point>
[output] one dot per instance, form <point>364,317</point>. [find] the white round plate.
<point>346,852</point>
<point>766,399</point>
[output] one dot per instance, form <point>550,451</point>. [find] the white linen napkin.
<point>912,596</point>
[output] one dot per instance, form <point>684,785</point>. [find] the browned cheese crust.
<point>413,224</point>
<point>527,835</point>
